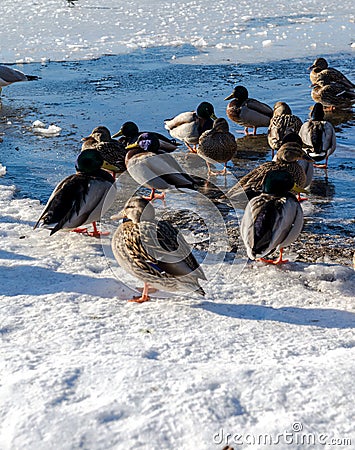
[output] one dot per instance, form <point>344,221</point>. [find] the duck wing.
<point>269,223</point>
<point>113,152</point>
<point>168,250</point>
<point>158,171</point>
<point>180,119</point>
<point>280,126</point>
<point>65,201</point>
<point>75,201</point>
<point>260,107</point>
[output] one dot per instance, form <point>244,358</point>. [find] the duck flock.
<point>155,251</point>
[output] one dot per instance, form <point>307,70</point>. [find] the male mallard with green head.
<point>153,168</point>
<point>129,133</point>
<point>188,126</point>
<point>273,219</point>
<point>318,136</point>
<point>80,198</point>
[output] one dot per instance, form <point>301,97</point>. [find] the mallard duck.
<point>318,136</point>
<point>282,123</point>
<point>325,77</point>
<point>112,151</point>
<point>286,158</point>
<point>154,251</point>
<point>188,126</point>
<point>320,71</point>
<point>273,219</point>
<point>307,166</point>
<point>130,133</point>
<point>80,198</point>
<point>151,167</point>
<point>246,111</point>
<point>333,96</point>
<point>217,145</point>
<point>9,76</point>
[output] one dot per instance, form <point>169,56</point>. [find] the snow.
<point>81,367</point>
<point>53,30</point>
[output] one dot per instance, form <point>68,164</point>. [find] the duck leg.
<point>301,199</point>
<point>154,196</point>
<point>218,172</point>
<point>254,132</point>
<point>144,297</point>
<point>322,166</point>
<point>191,149</point>
<point>96,233</point>
<point>277,261</point>
<point>80,230</point>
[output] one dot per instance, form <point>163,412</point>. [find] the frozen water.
<point>224,31</point>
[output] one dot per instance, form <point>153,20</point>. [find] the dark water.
<point>147,87</point>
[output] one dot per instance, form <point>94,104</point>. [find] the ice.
<point>210,25</point>
<point>39,128</point>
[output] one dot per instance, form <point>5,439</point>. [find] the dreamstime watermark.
<point>295,436</point>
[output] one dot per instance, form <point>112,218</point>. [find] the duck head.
<point>240,93</point>
<point>319,64</point>
<point>279,183</point>
<point>136,209</point>
<point>205,110</point>
<point>146,142</point>
<point>128,129</point>
<point>221,125</point>
<point>292,137</point>
<point>100,134</point>
<point>281,108</point>
<point>89,161</point>
<point>317,112</point>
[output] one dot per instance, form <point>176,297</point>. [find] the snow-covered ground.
<point>269,351</point>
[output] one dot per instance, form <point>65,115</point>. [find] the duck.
<point>217,145</point>
<point>129,133</point>
<point>112,151</point>
<point>306,165</point>
<point>325,77</point>
<point>273,219</point>
<point>81,198</point>
<point>9,76</point>
<point>188,126</point>
<point>286,158</point>
<point>320,69</point>
<point>282,123</point>
<point>246,111</point>
<point>318,136</point>
<point>151,167</point>
<point>154,251</point>
<point>333,96</point>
